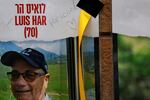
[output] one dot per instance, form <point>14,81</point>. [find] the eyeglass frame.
<point>24,75</point>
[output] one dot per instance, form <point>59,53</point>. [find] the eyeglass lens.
<point>27,75</point>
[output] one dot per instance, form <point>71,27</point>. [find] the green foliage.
<point>134,68</point>
<point>58,83</point>
<point>89,80</point>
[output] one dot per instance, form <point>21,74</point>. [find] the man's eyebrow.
<point>38,70</point>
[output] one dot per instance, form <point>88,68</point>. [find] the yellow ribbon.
<point>83,22</point>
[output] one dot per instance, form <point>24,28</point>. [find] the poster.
<point>41,20</point>
<point>45,27</point>
<point>55,55</point>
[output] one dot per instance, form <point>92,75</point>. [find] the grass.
<point>5,92</point>
<point>89,80</point>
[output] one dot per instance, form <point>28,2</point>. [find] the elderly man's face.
<point>28,90</point>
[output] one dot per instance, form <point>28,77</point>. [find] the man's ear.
<point>47,76</point>
<point>46,81</point>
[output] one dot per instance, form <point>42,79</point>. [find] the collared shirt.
<point>48,98</point>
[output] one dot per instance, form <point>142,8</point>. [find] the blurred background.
<point>134,67</point>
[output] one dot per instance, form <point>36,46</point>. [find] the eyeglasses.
<point>28,75</point>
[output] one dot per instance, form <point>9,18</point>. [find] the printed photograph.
<point>30,67</point>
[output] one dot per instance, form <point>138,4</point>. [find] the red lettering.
<point>20,8</point>
<point>28,8</point>
<point>35,8</point>
<point>38,20</point>
<point>30,32</point>
<point>22,20</point>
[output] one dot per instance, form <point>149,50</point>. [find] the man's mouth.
<point>22,91</point>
